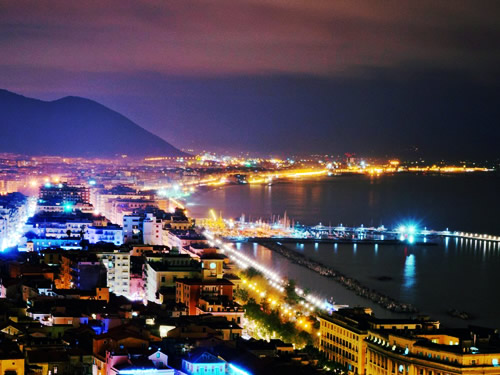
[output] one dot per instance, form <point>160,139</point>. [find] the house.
<point>204,363</point>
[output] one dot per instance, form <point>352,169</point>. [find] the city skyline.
<point>249,187</point>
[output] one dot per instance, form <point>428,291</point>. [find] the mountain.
<point>73,126</point>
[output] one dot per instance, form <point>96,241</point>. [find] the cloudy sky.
<point>270,76</point>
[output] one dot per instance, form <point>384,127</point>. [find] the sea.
<point>460,274</point>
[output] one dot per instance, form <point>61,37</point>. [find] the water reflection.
<point>409,272</point>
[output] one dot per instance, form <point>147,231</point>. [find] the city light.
<point>238,371</point>
<point>250,187</point>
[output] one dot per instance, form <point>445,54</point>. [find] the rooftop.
<point>204,282</point>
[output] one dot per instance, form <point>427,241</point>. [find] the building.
<point>163,274</point>
<point>61,206</point>
<point>117,264</point>
<point>39,244</point>
<point>80,270</point>
<point>459,351</point>
<point>123,362</point>
<point>365,344</point>
<point>180,239</point>
<point>150,225</point>
<point>204,363</point>
<point>152,228</point>
<point>11,358</point>
<point>222,307</point>
<point>343,340</point>
<point>212,265</point>
<point>214,292</point>
<point>13,214</point>
<point>124,207</point>
<point>64,193</point>
<point>132,229</point>
<point>110,233</point>
<point>203,328</point>
<point>61,225</point>
<point>103,199</point>
<point>48,362</point>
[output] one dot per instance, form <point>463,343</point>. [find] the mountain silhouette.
<point>73,126</point>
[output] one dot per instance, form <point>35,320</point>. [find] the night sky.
<point>381,78</point>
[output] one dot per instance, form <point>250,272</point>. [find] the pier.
<point>285,230</point>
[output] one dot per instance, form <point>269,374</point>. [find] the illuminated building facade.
<point>444,353</point>
<point>190,291</point>
<point>110,233</point>
<point>13,214</point>
<point>204,363</point>
<point>65,193</point>
<point>117,264</point>
<point>162,269</point>
<point>11,360</point>
<point>364,344</point>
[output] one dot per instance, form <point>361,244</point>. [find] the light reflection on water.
<point>409,272</point>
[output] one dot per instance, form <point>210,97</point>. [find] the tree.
<point>241,294</point>
<point>251,272</point>
<point>304,338</point>
<point>291,295</point>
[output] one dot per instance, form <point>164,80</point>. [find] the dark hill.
<point>73,126</point>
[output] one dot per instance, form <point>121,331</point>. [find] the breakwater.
<point>348,282</point>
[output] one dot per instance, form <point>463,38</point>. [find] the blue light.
<point>402,229</point>
<point>138,371</point>
<point>68,207</point>
<point>92,182</point>
<point>411,229</point>
<point>411,239</point>
<point>48,184</point>
<point>238,371</point>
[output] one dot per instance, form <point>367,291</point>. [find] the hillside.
<point>73,126</point>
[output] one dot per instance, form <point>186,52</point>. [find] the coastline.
<point>349,283</point>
